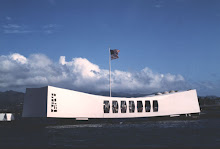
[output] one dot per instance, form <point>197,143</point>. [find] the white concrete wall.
<point>72,104</point>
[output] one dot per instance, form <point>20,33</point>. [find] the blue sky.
<point>178,37</point>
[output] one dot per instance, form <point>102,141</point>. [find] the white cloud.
<point>19,58</point>
<point>18,72</point>
<point>62,60</point>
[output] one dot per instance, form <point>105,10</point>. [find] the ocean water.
<point>198,133</point>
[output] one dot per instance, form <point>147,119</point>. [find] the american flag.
<point>114,54</point>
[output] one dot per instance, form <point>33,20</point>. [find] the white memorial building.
<point>53,102</point>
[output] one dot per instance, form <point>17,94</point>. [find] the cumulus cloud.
<point>19,58</point>
<point>18,72</point>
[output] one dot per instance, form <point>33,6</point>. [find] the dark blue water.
<point>199,133</point>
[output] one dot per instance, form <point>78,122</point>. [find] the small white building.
<point>63,103</point>
<point>6,117</point>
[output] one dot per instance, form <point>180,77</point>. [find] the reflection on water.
<point>173,133</point>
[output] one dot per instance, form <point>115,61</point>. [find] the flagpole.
<point>110,94</point>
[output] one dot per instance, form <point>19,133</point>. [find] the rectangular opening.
<point>155,106</point>
<point>115,106</point>
<point>139,106</point>
<point>106,106</point>
<point>147,106</point>
<point>131,106</point>
<point>123,107</point>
